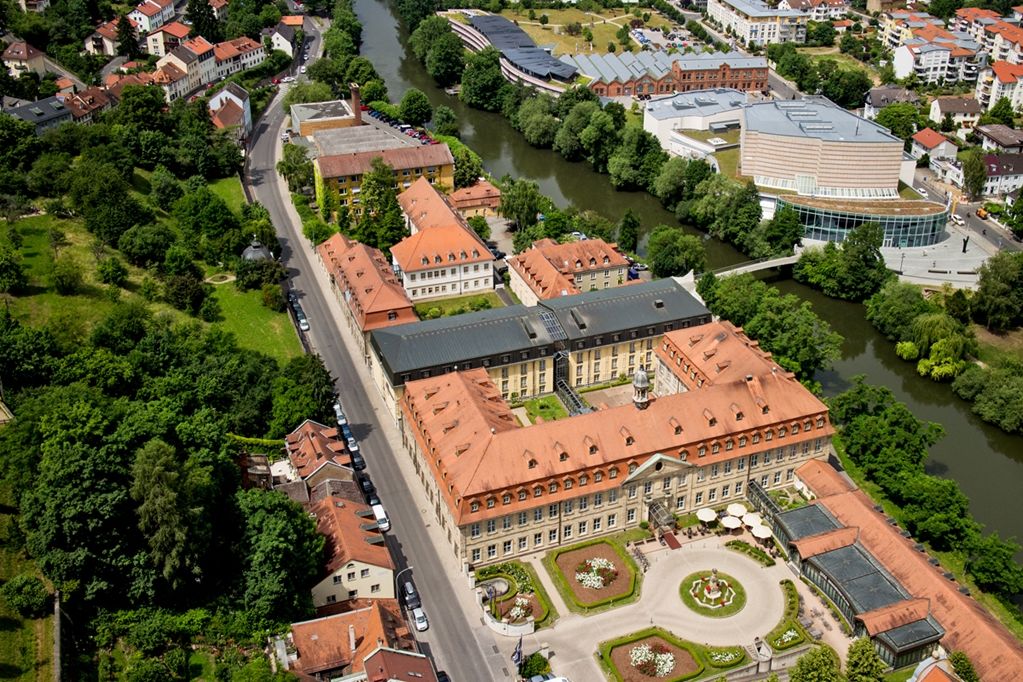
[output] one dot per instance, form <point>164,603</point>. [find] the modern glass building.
<point>905,223</point>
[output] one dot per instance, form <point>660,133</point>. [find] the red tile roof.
<point>401,158</point>
<point>428,208</point>
<point>20,51</point>
<point>228,115</point>
<point>152,7</point>
<point>312,444</point>
<point>1006,72</point>
<point>540,275</point>
<point>825,542</point>
<point>368,283</point>
<point>442,246</point>
<point>894,615</point>
<point>389,665</point>
<point>174,28</point>
<point>822,478</point>
<point>230,49</point>
<point>351,533</point>
<point>549,268</point>
<point>325,644</point>
<point>719,352</point>
<point>293,20</point>
<point>87,102</point>
<point>479,194</point>
<point>929,138</point>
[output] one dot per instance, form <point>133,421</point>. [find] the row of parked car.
<point>421,135</point>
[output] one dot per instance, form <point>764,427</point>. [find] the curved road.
<point>457,639</point>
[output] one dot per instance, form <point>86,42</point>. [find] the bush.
<point>535,664</point>
<point>66,276</point>
<point>27,595</point>
<point>273,297</point>
<point>749,550</point>
<point>112,271</point>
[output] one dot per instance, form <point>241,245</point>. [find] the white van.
<point>383,523</point>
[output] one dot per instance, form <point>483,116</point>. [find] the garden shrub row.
<point>788,620</point>
<point>551,563</point>
<point>751,551</point>
<point>313,227</point>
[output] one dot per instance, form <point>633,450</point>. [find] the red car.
<point>276,81</point>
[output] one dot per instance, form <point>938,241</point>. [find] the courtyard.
<point>701,645</point>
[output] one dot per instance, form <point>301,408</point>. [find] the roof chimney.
<point>351,638</point>
<point>356,103</point>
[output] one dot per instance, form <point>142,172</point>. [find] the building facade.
<point>443,262</point>
<point>558,482</point>
<point>150,15</point>
<point>905,223</point>
<point>549,269</point>
<point>359,565</point>
<point>755,23</point>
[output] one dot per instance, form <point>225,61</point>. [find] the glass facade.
<point>826,224</point>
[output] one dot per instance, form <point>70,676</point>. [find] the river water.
<point>987,463</point>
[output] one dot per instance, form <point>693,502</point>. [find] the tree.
<point>145,245</point>
<point>127,38</point>
<point>482,80</point>
<point>784,230</point>
<point>480,226</point>
<point>446,60</point>
<point>1001,112</point>
<point>158,488</point>
<point>253,274</point>
<point>893,309</point>
<point>798,338</point>
<point>308,91</point>
<point>26,595</point>
<point>112,271</point>
<point>427,33</point>
<point>374,91</point>
<point>331,71</point>
<point>672,253</point>
<point>567,142</point>
<point>963,667</point>
<point>900,118</point>
<point>12,270</point>
<point>537,121</point>
<point>992,564</point>
<point>382,224</point>
<point>599,139</point>
<point>853,271</point>
<point>974,173</point>
<point>203,21</point>
<point>66,276</point>
<point>445,122</point>
<point>820,664</point>
<point>468,167</point>
<point>820,33</point>
<point>415,107</point>
<point>862,664</point>
<point>165,187</point>
<point>521,201</point>
<point>628,232</point>
<point>637,160</point>
<point>998,302</point>
<point>209,225</point>
<point>50,175</point>
<point>296,167</point>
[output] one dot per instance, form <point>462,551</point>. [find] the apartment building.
<point>937,61</point>
<point>975,21</point>
<point>150,15</point>
<point>500,490</point>
<point>166,38</point>
<point>756,23</point>
<point>549,269</point>
<point>104,39</point>
<point>443,262</point>
<point>818,10</point>
<point>1000,79</point>
<point>899,26</point>
<point>236,55</point>
<point>568,342</point>
<point>996,138</point>
<point>359,566</point>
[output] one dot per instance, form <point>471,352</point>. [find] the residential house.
<point>185,60</point>
<point>481,199</point>
<point>219,8</point>
<point>166,38</point>
<point>314,117</point>
<point>338,646</point>
<point>1004,174</point>
<point>878,98</point>
<point>1000,79</point>
<point>932,143</point>
<point>172,80</point>
<point>878,6</point>
<point>370,294</point>
<point>86,104</point>
<point>239,54</point>
<point>65,86</point>
<point>818,10</point>
<point>935,55</point>
<point>975,21</point>
<point>33,5</point>
<point>898,27</point>
<point>20,57</point>
<point>842,25</point>
<point>549,269</point>
<point>965,112</point>
<point>282,37</point>
<point>755,23</point>
<point>44,114</point>
<point>230,109</point>
<point>295,21</point>
<point>115,83</point>
<point>104,39</point>
<point>315,453</point>
<point>999,138</point>
<point>359,564</point>
<point>391,665</point>
<point>150,15</point>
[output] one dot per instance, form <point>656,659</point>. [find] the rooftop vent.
<point>659,303</point>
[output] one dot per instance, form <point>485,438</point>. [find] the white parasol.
<point>752,519</point>
<point>706,514</point>
<point>731,522</point>
<point>762,532</point>
<point>737,509</point>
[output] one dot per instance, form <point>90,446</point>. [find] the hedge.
<point>568,594</point>
<point>788,620</point>
<point>522,578</point>
<point>605,649</point>
<point>749,550</point>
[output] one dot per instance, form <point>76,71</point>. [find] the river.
<point>987,463</point>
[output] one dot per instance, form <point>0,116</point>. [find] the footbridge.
<point>757,265</point>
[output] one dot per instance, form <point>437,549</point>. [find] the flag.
<point>516,656</point>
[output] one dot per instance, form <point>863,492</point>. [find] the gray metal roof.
<point>656,64</point>
<point>355,139</point>
<point>813,117</point>
<point>860,577</point>
<point>41,112</point>
<point>606,311</point>
<point>759,9</point>
<point>697,102</point>
<point>501,33</point>
<point>803,522</point>
<point>912,635</point>
<point>517,47</point>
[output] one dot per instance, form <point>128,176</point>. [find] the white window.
<point>777,477</point>
<point>699,499</point>
<point>523,543</point>
<point>491,551</point>
<point>566,532</point>
<point>630,515</point>
<point>475,555</point>
<point>612,520</point>
<point>725,490</point>
<point>596,524</point>
<point>582,528</point>
<point>507,547</point>
<point>474,530</point>
<point>680,502</point>
<point>712,494</point>
<point>491,526</point>
<point>552,535</point>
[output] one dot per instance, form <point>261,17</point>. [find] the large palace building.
<point>722,417</point>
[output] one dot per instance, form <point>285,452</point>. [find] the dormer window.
<point>782,431</point>
<point>795,428</point>
<point>593,449</point>
<point>532,464</point>
<point>538,491</point>
<point>426,261</point>
<point>506,499</point>
<point>678,429</point>
<point>629,440</point>
<point>702,451</point>
<point>475,253</point>
<point>729,444</point>
<point>742,441</point>
<point>593,261</point>
<point>522,495</point>
<point>632,468</point>
<point>598,477</point>
<point>613,472</point>
<point>584,479</point>
<point>568,484</point>
<point>437,258</point>
<point>474,506</point>
<point>715,448</point>
<point>606,260</point>
<point>769,435</point>
<point>578,264</point>
<point>756,438</point>
<point>563,457</point>
<point>552,487</point>
<point>491,502</point>
<point>820,422</point>
<point>683,454</point>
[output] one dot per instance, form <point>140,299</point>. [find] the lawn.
<point>446,307</point>
<point>548,407</point>
<point>692,660</point>
<point>816,54</point>
<point>522,578</point>
<point>603,24</point>
<point>26,646</point>
<point>900,675</point>
<point>907,192</point>
<point>254,325</point>
<point>230,190</point>
<point>998,348</point>
<point>699,579</point>
<point>729,136</point>
<point>728,162</point>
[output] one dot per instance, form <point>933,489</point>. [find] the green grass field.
<point>254,325</point>
<point>26,646</point>
<point>603,25</point>
<point>816,54</point>
<point>456,306</point>
<point>230,190</point>
<point>728,160</point>
<point>548,407</point>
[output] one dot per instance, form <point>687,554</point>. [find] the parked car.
<point>497,253</point>
<point>288,79</point>
<point>443,676</point>
<point>358,463</point>
<point>353,445</point>
<point>303,322</point>
<point>982,213</point>
<point>383,523</point>
<point>302,70</point>
<point>641,267</point>
<point>419,618</point>
<point>366,485</point>
<point>339,413</point>
<point>410,596</point>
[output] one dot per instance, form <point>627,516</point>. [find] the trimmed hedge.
<point>521,578</point>
<point>788,619</point>
<point>701,654</point>
<point>752,552</point>
<point>550,562</point>
<point>737,651</point>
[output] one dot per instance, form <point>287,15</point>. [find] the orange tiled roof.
<point>445,245</point>
<point>198,45</point>
<point>929,138</point>
<point>426,207</point>
<point>825,542</point>
<point>324,643</point>
<point>388,665</point>
<point>367,276</point>
<point>822,478</point>
<point>936,673</point>
<point>894,615</point>
<point>168,73</point>
<point>472,196</point>
<point>995,653</point>
<point>293,20</point>
<point>1006,72</point>
<point>229,114</point>
<point>401,158</point>
<point>87,101</point>
<point>20,51</point>
<point>351,533</point>
<point>233,48</point>
<point>974,13</point>
<point>174,28</point>
<point>718,352</point>
<point>152,7</point>
<point>548,268</point>
<point>312,444</point>
<point>477,449</point>
<point>541,276</point>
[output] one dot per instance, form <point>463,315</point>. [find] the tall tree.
<point>862,663</point>
<point>296,167</point>
<point>628,231</point>
<point>599,140</point>
<point>784,230</point>
<point>673,253</point>
<point>1001,112</point>
<point>521,201</point>
<point>445,61</point>
<point>204,23</point>
<point>445,122</point>
<point>381,224</point>
<point>468,167</point>
<point>567,142</point>
<point>974,174</point>
<point>127,38</point>
<point>415,107</point>
<point>820,664</point>
<point>482,80</point>
<point>12,271</point>
<point>157,487</point>
<point>637,160</point>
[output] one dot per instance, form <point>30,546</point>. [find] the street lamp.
<point>397,593</point>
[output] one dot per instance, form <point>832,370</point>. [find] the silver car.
<point>419,619</point>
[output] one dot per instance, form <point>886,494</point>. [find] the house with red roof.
<point>20,57</point>
<point>150,15</point>
<point>165,38</point>
<point>230,110</point>
<point>1000,79</point>
<point>932,143</point>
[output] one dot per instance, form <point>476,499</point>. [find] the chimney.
<point>351,638</point>
<point>356,103</point>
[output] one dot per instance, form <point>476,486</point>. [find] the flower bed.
<point>695,595</point>
<point>654,657</point>
<point>780,638</point>
<point>653,660</point>
<point>592,574</point>
<point>725,657</point>
<point>522,583</point>
<point>520,608</point>
<point>749,550</point>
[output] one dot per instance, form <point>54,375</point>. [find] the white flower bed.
<point>520,610</point>
<point>592,578</point>
<point>724,656</point>
<point>663,663</point>
<point>788,636</point>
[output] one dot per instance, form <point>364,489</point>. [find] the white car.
<point>419,619</point>
<point>921,190</point>
<point>288,79</point>
<point>957,219</point>
<point>302,70</point>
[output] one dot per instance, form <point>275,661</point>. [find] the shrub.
<point>749,550</point>
<point>66,276</point>
<point>273,297</point>
<point>534,664</point>
<point>27,595</point>
<point>112,271</point>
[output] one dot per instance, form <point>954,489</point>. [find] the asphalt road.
<point>458,645</point>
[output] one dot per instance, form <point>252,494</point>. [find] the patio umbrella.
<point>731,522</point>
<point>706,514</point>
<point>752,519</point>
<point>736,509</point>
<point>761,532</point>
